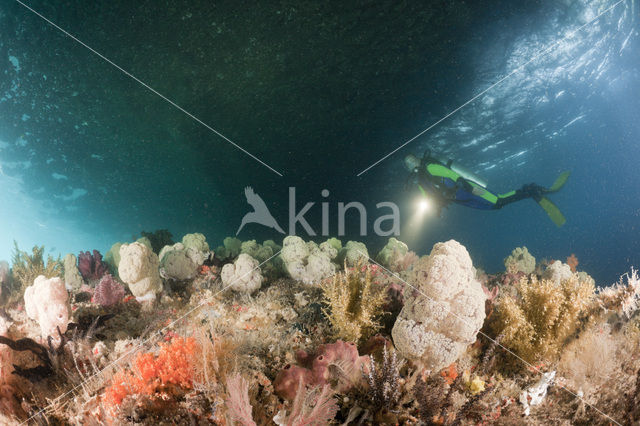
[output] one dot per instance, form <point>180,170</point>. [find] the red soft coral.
<point>173,365</point>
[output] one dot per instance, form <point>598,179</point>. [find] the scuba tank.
<point>412,163</point>
<point>465,173</point>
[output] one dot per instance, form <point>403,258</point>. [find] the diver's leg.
<point>530,190</point>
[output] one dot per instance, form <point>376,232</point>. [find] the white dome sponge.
<point>175,263</point>
<point>392,255</point>
<point>307,262</point>
<point>520,260</point>
<point>445,311</point>
<point>139,269</point>
<point>557,272</point>
<point>46,302</point>
<point>243,275</point>
<point>353,253</point>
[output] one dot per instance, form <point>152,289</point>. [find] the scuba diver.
<point>445,184</point>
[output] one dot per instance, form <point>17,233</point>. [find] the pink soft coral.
<point>108,292</point>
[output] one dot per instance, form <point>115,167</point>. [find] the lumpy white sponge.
<point>46,302</point>
<point>175,263</point>
<point>243,275</point>
<point>182,260</point>
<point>72,276</point>
<point>392,253</point>
<point>139,269</point>
<point>354,252</point>
<point>444,311</point>
<point>557,272</point>
<point>196,247</point>
<point>520,260</point>
<point>307,262</point>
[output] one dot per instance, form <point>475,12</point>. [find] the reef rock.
<point>444,310</point>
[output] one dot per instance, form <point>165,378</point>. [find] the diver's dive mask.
<point>411,163</point>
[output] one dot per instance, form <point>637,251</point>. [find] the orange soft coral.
<point>173,365</point>
<point>450,374</point>
<point>572,261</point>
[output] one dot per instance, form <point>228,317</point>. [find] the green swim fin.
<point>560,181</point>
<point>554,213</point>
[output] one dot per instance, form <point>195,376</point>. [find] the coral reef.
<point>108,292</point>
<point>354,301</point>
<point>443,314</point>
<point>271,358</point>
<point>91,266</point>
<point>520,260</point>
<point>243,275</point>
<point>337,364</point>
<point>138,268</point>
<point>536,323</point>
<point>46,302</point>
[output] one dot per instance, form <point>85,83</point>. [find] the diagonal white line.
<point>155,335</point>
<point>151,89</point>
<point>495,342</point>
<point>539,54</point>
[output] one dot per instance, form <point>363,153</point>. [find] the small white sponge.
<point>139,269</point>
<point>444,311</point>
<point>307,262</point>
<point>243,275</point>
<point>46,302</point>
